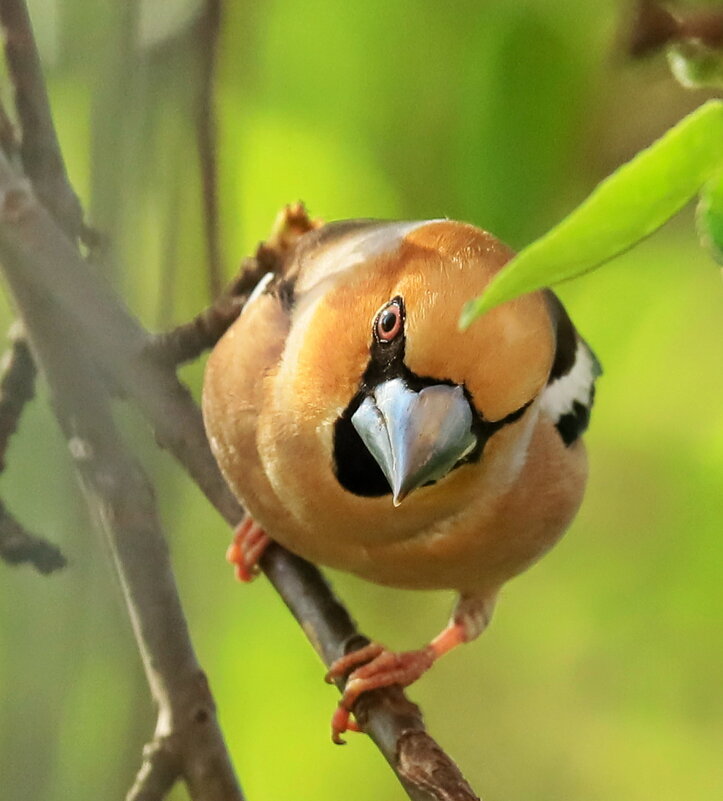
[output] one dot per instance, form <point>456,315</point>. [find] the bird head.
<point>376,379</point>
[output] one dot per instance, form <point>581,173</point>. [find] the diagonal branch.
<point>122,500</point>
<point>104,345</point>
<point>188,741</point>
<point>33,248</point>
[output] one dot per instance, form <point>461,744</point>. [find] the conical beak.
<point>415,437</point>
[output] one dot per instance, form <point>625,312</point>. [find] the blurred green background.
<point>600,677</point>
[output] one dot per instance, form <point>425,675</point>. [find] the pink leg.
<point>249,543</point>
<point>374,666</point>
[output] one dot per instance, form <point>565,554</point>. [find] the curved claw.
<point>339,724</point>
<point>342,721</point>
<point>379,668</point>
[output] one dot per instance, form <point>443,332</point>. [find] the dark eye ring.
<point>389,321</point>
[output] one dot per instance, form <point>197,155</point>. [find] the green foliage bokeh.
<point>625,208</point>
<point>600,675</point>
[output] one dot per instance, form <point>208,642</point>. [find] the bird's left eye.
<point>389,321</point>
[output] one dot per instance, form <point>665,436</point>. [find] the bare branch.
<point>34,250</point>
<point>393,722</point>
<point>118,492</point>
<point>39,148</point>
<point>122,500</point>
<point>102,345</point>
<point>209,27</point>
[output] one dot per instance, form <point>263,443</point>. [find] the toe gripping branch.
<point>244,553</point>
<point>374,666</point>
<point>368,668</point>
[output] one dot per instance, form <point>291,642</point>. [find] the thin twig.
<point>209,28</point>
<point>189,340</point>
<point>17,388</point>
<point>39,148</point>
<point>19,546</point>
<point>122,501</point>
<point>31,247</point>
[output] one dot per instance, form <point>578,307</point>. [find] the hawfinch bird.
<point>363,430</point>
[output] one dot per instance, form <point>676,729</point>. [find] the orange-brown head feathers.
<point>503,360</point>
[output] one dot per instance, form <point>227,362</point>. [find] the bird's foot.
<point>249,543</point>
<point>372,667</point>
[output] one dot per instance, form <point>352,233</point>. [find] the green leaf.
<point>624,209</point>
<point>710,217</point>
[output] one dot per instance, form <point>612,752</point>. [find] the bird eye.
<point>389,321</point>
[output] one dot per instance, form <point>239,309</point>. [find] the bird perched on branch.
<point>363,430</point>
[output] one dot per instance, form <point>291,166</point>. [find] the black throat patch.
<point>354,466</point>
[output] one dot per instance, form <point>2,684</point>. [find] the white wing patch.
<point>559,397</point>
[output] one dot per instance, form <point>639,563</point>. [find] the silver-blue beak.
<point>415,437</point>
